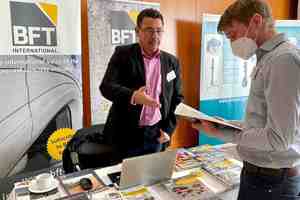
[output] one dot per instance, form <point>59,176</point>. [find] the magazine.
<point>114,196</point>
<point>185,160</point>
<point>228,171</point>
<point>78,196</point>
<point>138,193</point>
<point>216,162</point>
<point>72,183</point>
<point>194,115</point>
<point>189,187</point>
<point>206,154</point>
<point>109,193</point>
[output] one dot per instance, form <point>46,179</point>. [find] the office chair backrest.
<point>88,149</point>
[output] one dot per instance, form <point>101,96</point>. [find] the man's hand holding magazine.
<point>213,126</point>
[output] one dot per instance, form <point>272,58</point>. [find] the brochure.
<point>78,196</point>
<point>114,196</point>
<point>189,187</point>
<point>185,160</point>
<point>228,171</point>
<point>138,193</point>
<point>207,154</point>
<point>194,115</point>
<point>82,181</point>
<point>109,193</point>
<point>216,163</point>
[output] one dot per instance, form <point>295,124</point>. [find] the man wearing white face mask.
<point>269,143</point>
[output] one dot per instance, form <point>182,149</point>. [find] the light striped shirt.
<point>271,134</point>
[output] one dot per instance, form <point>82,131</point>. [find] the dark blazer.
<point>124,75</point>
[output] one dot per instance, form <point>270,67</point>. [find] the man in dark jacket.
<point>143,83</point>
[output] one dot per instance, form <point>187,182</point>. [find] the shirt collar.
<point>155,55</point>
<point>274,42</point>
<point>270,45</point>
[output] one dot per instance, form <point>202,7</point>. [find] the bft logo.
<point>33,24</point>
<point>122,27</point>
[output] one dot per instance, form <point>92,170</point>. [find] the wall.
<point>182,38</point>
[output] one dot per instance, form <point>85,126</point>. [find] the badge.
<point>171,75</point>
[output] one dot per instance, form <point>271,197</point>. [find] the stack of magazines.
<point>216,163</point>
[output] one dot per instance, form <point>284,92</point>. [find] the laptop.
<point>145,170</point>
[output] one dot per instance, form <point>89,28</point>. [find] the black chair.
<point>89,149</point>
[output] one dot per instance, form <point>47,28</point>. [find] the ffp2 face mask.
<point>244,47</point>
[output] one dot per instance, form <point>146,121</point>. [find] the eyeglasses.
<point>151,31</point>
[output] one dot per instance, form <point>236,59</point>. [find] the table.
<point>229,149</point>
<point>220,189</point>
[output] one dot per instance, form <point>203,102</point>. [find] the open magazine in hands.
<point>194,115</point>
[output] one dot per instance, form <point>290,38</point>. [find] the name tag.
<point>171,75</point>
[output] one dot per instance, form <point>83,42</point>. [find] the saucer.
<point>34,188</point>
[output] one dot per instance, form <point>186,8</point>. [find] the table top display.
<point>201,172</point>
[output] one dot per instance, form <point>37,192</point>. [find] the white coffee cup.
<point>44,181</point>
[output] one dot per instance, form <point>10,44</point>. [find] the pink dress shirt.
<point>150,115</point>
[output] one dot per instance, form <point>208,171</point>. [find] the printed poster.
<point>41,85</point>
<point>224,79</point>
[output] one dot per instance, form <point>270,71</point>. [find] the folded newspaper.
<point>194,115</point>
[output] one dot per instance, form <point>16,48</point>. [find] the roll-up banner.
<point>40,83</point>
<point>111,23</point>
<point>225,79</point>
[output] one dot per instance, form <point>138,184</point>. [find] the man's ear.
<point>257,19</point>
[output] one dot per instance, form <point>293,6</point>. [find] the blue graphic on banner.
<point>291,28</point>
<point>225,79</point>
<point>231,109</point>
